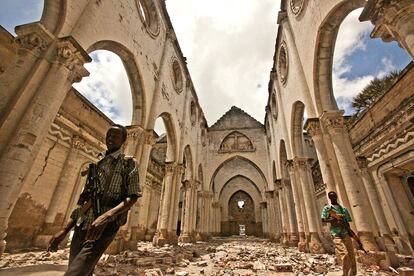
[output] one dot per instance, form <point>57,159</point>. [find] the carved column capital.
<point>134,132</point>
<point>149,137</point>
<point>278,184</point>
<point>71,55</point>
<point>269,194</point>
<point>333,120</point>
<point>263,204</point>
<point>179,168</point>
<point>313,127</point>
<point>362,162</point>
<point>303,163</point>
<point>33,37</point>
<point>170,167</point>
<point>216,204</point>
<point>289,164</point>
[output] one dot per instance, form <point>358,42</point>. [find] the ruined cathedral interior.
<point>202,182</point>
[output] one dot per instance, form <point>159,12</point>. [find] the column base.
<point>285,240</point>
<point>302,244</point>
<point>294,240</point>
<point>199,237</point>
<point>315,244</point>
<point>2,247</point>
<point>368,241</point>
<point>160,238</point>
<point>184,238</point>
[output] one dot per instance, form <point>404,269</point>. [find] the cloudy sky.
<point>229,45</point>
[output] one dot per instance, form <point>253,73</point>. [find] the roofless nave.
<point>201,181</point>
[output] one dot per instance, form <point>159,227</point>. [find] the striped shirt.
<point>118,179</point>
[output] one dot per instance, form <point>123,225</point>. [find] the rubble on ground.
<point>233,256</point>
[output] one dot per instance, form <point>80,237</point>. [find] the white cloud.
<point>107,87</point>
<point>229,47</point>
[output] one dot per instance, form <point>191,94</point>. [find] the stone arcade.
<point>198,181</point>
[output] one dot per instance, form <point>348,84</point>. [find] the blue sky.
<point>235,77</point>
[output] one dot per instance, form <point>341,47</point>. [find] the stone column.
<point>393,20</point>
<point>207,212</point>
<point>348,167</point>
<point>297,204</point>
<point>313,128</point>
<point>315,244</point>
<point>138,214</point>
<point>216,218</point>
<point>293,226</point>
<point>23,147</point>
<point>19,82</point>
<point>263,210</point>
<point>283,211</point>
<point>375,208</point>
<point>161,235</point>
<point>271,214</point>
<point>194,210</point>
<point>67,180</point>
<point>185,236</point>
<point>175,198</point>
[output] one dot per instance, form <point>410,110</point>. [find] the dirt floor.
<point>220,256</point>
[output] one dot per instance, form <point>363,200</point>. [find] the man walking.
<point>103,208</point>
<point>339,218</point>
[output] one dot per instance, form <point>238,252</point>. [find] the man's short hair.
<point>123,130</point>
<point>332,193</point>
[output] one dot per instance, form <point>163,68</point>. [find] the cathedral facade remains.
<point>237,176</point>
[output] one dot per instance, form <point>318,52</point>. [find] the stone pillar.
<point>67,180</point>
<point>185,235</point>
<point>313,128</point>
<point>283,211</point>
<point>271,214</point>
<point>175,199</point>
<point>315,244</point>
<point>216,218</point>
<point>263,210</point>
<point>137,221</point>
<point>298,207</point>
<point>348,166</point>
<point>19,82</point>
<point>23,146</point>
<point>393,20</point>
<point>376,210</point>
<point>293,226</point>
<point>207,230</point>
<point>161,235</point>
<point>194,210</point>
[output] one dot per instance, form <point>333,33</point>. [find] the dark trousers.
<point>85,255</point>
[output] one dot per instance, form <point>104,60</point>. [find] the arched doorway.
<point>241,214</point>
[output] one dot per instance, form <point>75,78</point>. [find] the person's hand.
<point>56,240</point>
<point>96,228</point>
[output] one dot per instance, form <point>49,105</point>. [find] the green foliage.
<point>374,90</point>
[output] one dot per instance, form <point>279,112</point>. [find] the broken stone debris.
<point>221,256</point>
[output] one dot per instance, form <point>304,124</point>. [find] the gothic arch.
<point>134,77</point>
<point>236,141</point>
<point>283,159</point>
<point>53,15</point>
<point>237,157</point>
<point>171,136</point>
<point>324,54</point>
<point>298,110</point>
<point>239,176</point>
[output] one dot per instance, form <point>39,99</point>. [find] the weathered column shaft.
<point>271,214</point>
<point>21,150</point>
<point>313,128</point>
<point>293,239</point>
<point>185,234</point>
<point>348,166</point>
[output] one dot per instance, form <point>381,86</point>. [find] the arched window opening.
<point>107,87</point>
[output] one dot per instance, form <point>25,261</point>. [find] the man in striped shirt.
<point>118,179</point>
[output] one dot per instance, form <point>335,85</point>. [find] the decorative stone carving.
<point>362,162</point>
<point>283,63</point>
<point>313,127</point>
<point>303,163</point>
<point>320,186</point>
<point>333,119</point>
<point>296,6</point>
<point>148,13</point>
<point>149,137</point>
<point>135,132</point>
<point>170,167</point>
<point>33,37</point>
<point>177,76</point>
<point>269,194</point>
<point>236,142</point>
